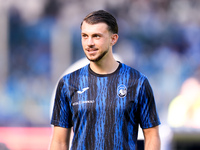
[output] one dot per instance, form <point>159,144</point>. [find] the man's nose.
<point>90,41</point>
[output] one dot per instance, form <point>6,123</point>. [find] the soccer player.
<point>105,101</point>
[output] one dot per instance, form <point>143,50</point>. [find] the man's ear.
<point>114,39</point>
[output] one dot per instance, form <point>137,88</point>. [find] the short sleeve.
<point>62,115</point>
<point>147,107</point>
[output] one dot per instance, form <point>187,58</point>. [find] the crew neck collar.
<point>104,75</point>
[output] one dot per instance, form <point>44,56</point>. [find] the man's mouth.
<point>91,50</point>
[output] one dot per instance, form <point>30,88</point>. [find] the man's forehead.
<point>97,26</point>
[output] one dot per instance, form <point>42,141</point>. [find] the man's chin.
<point>93,59</point>
<point>98,58</point>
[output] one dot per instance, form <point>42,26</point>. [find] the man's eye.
<point>84,35</point>
<point>97,36</point>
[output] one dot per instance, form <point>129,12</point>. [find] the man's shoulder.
<point>132,71</point>
<point>76,73</point>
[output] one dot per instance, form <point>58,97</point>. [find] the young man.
<point>105,101</point>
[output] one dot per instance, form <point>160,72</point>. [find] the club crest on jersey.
<point>121,91</point>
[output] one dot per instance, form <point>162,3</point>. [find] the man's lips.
<point>91,50</point>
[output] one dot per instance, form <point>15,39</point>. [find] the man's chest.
<point>100,96</point>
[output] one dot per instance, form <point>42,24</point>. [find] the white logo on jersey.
<point>83,102</point>
<point>83,90</point>
<point>121,91</point>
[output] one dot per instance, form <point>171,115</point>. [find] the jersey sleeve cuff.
<point>61,124</point>
<point>145,126</point>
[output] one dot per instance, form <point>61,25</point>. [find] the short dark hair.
<point>102,16</point>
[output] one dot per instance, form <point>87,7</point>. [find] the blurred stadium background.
<point>40,39</point>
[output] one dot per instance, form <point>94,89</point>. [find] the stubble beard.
<point>99,57</point>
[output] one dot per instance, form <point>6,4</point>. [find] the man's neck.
<point>104,67</point>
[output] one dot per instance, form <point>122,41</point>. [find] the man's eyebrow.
<point>98,33</point>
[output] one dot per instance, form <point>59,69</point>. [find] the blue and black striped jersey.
<point>105,110</point>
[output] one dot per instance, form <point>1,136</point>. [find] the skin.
<point>152,138</point>
<point>97,44</point>
<point>60,139</point>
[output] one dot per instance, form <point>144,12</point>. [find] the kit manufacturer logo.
<point>83,90</point>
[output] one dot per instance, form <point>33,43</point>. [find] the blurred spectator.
<point>184,110</point>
